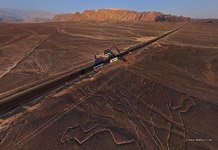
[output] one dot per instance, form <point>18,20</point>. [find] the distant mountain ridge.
<point>24,16</point>
<point>119,15</point>
<point>29,16</point>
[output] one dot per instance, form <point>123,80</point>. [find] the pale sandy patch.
<point>5,123</point>
<point>71,88</point>
<point>65,91</point>
<point>145,39</point>
<point>33,108</point>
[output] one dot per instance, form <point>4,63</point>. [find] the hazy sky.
<point>192,8</point>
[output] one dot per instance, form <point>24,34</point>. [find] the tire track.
<point>22,59</point>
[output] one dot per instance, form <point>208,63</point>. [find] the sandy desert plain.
<point>165,98</point>
<point>33,52</point>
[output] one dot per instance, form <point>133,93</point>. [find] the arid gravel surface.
<point>33,53</point>
<point>165,98</point>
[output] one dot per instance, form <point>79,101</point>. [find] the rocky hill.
<point>118,15</point>
<point>23,16</point>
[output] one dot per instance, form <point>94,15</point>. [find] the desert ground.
<point>165,98</point>
<point>33,53</point>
